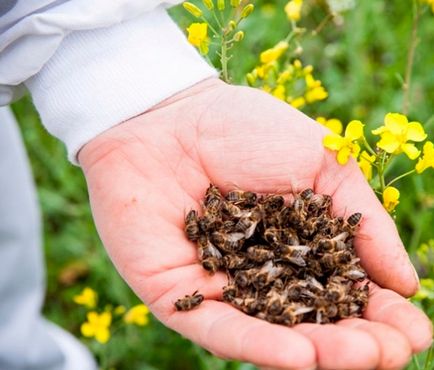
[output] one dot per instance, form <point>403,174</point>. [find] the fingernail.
<point>416,276</point>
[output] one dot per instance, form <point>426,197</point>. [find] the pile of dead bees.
<point>286,263</point>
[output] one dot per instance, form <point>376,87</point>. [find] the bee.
<point>275,302</point>
<point>325,311</point>
<point>242,198</point>
<point>360,295</point>
<point>259,253</point>
<point>312,226</point>
<point>213,201</point>
<point>293,314</point>
<point>292,253</point>
<point>228,243</point>
<point>210,222</point>
<point>331,245</point>
<point>273,235</point>
<point>271,203</point>
<point>192,226</point>
<point>230,292</point>
<point>209,256</point>
<point>244,278</point>
<point>319,203</point>
<point>234,261</point>
<point>307,194</point>
<point>332,260</point>
<point>352,222</point>
<point>234,211</point>
<point>267,274</point>
<point>249,305</point>
<point>337,289</point>
<point>349,309</point>
<point>248,224</point>
<point>352,272</point>
<point>189,302</point>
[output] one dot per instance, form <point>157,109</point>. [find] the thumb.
<point>377,241</point>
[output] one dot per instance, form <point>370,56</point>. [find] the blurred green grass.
<point>359,61</point>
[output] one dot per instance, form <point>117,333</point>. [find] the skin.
<point>145,174</point>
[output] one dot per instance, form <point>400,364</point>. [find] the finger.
<point>395,350</point>
<point>231,334</point>
<point>219,327</point>
<point>340,348</point>
<point>379,246</point>
<point>390,308</point>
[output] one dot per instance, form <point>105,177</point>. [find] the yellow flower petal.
<point>396,123</point>
<point>87,330</point>
<point>105,318</point>
<point>411,151</point>
<point>388,142</point>
<point>354,130</point>
<point>333,142</point>
<point>343,155</point>
<point>102,335</point>
<point>390,198</point>
<point>92,317</point>
<point>335,125</point>
<point>415,132</point>
<point>427,159</point>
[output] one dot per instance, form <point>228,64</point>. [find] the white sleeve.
<point>90,65</point>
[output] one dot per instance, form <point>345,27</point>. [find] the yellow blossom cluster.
<point>293,10</point>
<point>397,135</point>
<point>98,325</point>
<point>88,297</point>
<point>290,82</point>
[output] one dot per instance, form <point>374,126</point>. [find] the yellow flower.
<point>299,102</point>
<point>390,198</point>
<point>88,297</point>
<point>346,145</point>
<point>98,326</point>
<point>427,159</point>
<point>365,164</point>
<point>119,310</point>
<point>271,55</point>
<point>198,36</point>
<point>280,92</point>
<point>137,315</point>
<point>396,133</point>
<point>293,10</point>
<point>316,94</point>
<point>192,9</point>
<point>332,124</point>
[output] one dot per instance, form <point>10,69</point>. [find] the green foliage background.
<point>359,61</point>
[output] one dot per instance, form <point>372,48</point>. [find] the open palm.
<point>146,173</point>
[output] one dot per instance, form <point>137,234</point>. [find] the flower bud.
<point>239,36</point>
<point>221,5</point>
<point>248,9</point>
<point>251,79</point>
<point>209,4</point>
<point>235,3</point>
<point>192,9</point>
<point>232,25</point>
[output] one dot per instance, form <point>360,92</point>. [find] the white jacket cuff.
<point>99,78</point>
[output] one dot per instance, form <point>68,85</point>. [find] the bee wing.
<point>299,261</point>
<point>301,249</point>
<point>234,237</point>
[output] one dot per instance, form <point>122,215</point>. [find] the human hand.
<point>145,174</point>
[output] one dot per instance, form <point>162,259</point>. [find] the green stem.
<point>410,58</point>
<point>368,146</point>
<point>400,177</point>
<point>210,26</point>
<point>224,61</point>
<point>323,23</point>
<point>429,358</point>
<point>381,171</point>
